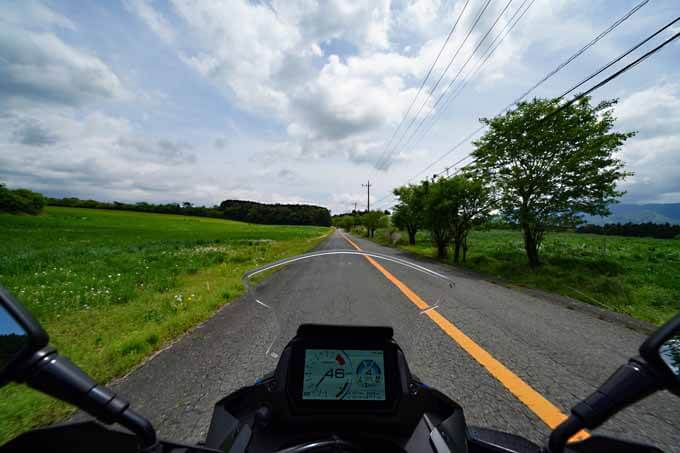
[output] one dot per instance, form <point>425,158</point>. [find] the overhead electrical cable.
<point>590,77</point>
<point>608,79</point>
<point>434,87</point>
<point>422,84</point>
<point>549,75</point>
<point>497,41</point>
<point>455,78</point>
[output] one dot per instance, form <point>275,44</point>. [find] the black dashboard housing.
<point>274,416</point>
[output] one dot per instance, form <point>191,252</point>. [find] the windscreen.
<point>346,287</point>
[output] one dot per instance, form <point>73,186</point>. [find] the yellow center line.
<point>539,405</point>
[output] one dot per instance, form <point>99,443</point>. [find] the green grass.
<point>111,287</point>
<point>636,276</point>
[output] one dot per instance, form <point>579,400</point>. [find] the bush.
<point>20,201</point>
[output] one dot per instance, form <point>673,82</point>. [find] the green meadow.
<point>112,287</point>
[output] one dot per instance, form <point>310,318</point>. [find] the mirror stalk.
<point>57,376</point>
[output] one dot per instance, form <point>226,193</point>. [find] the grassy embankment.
<point>636,276</point>
<point>112,287</point>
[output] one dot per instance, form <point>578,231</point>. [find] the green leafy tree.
<point>438,213</point>
<point>408,214</point>
<point>372,221</point>
<point>345,222</point>
<point>472,199</point>
<point>452,207</point>
<point>547,174</point>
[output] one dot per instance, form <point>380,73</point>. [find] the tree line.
<point>24,201</point>
<point>648,229</point>
<point>185,208</point>
<point>369,220</point>
<point>540,167</point>
<point>275,214</point>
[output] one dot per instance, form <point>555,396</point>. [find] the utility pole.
<point>355,207</point>
<point>368,199</point>
<point>446,169</point>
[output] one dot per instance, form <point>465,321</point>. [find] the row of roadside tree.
<point>539,167</point>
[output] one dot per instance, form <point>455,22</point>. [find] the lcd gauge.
<point>349,374</point>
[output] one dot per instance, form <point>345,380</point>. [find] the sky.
<point>299,100</point>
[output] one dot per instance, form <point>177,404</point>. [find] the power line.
<point>596,86</point>
<point>582,50</point>
<point>559,67</point>
<point>545,78</point>
<point>620,57</point>
<point>606,80</point>
<point>455,147</point>
<point>445,92</point>
<point>434,87</point>
<point>618,73</point>
<point>490,51</point>
<point>504,33</point>
<point>427,76</point>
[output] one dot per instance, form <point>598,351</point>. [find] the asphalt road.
<point>561,353</point>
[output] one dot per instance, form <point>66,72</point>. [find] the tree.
<point>452,206</point>
<point>345,222</point>
<point>20,201</point>
<point>473,201</point>
<point>408,214</point>
<point>547,173</point>
<point>438,212</point>
<point>372,221</point>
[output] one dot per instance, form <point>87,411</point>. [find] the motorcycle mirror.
<point>21,336</point>
<point>662,352</point>
<point>26,358</point>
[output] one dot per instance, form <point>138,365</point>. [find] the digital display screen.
<point>349,374</point>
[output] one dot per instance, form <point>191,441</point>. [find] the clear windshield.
<point>346,287</point>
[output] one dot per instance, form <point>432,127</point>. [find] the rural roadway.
<point>514,361</point>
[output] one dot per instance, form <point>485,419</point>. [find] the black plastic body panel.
<point>483,440</point>
<point>87,437</point>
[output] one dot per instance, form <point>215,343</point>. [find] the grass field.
<point>636,276</point>
<point>111,287</point>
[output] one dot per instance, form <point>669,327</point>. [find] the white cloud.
<point>269,64</point>
<point>152,18</point>
<point>653,153</point>
<point>32,14</point>
<point>241,60</point>
<point>40,67</point>
<point>651,109</point>
<point>345,201</point>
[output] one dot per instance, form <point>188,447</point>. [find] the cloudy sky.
<point>297,100</point>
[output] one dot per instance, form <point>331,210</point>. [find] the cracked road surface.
<point>563,354</point>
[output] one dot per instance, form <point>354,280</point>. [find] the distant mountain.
<point>640,213</point>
